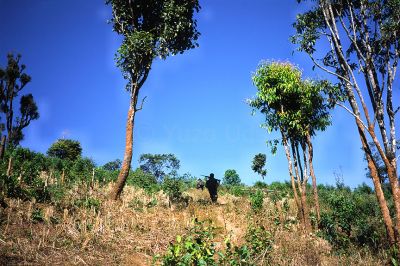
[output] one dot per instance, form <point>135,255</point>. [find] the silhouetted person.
<point>212,186</point>
<point>200,184</point>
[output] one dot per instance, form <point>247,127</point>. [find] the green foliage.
<point>31,171</point>
<point>238,190</point>
<point>88,203</point>
<point>258,165</point>
<point>351,217</point>
<point>144,180</point>
<point>105,176</point>
<point>231,178</point>
<point>172,187</point>
<point>65,149</point>
<point>150,30</point>
<point>260,184</point>
<point>293,106</point>
<point>82,169</point>
<point>9,186</point>
<point>195,248</point>
<point>113,165</point>
<point>159,165</point>
<point>12,81</point>
<point>259,241</point>
<point>37,216</point>
<point>257,200</point>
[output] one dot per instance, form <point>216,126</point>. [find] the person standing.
<point>212,185</point>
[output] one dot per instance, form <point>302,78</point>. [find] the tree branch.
<point>141,105</point>
<point>353,114</point>
<point>329,71</point>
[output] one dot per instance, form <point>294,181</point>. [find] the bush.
<point>141,179</point>
<point>238,191</point>
<point>260,184</point>
<point>82,170</point>
<point>195,248</point>
<point>351,218</point>
<point>173,188</point>
<point>257,200</point>
<point>88,203</point>
<point>231,178</point>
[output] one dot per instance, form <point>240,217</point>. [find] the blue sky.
<point>195,104</point>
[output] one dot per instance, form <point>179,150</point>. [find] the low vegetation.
<point>56,213</point>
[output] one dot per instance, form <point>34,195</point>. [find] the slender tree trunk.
<point>304,188</point>
<point>2,147</point>
<point>126,164</point>
<point>9,168</point>
<point>290,167</point>
<point>394,182</point>
<point>387,220</point>
<point>314,179</point>
<point>300,186</point>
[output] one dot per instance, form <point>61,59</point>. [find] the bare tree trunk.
<point>300,185</point>
<point>2,147</point>
<point>314,179</point>
<point>9,168</point>
<point>387,220</point>
<point>290,166</point>
<point>126,164</point>
<point>304,188</point>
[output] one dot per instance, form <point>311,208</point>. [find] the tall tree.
<point>159,165</point>
<point>297,109</point>
<point>12,81</point>
<point>150,29</point>
<point>362,42</point>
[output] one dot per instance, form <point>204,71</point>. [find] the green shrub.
<point>82,170</point>
<point>260,184</point>
<point>259,241</point>
<point>194,248</point>
<point>257,200</point>
<point>197,248</point>
<point>88,203</point>
<point>173,188</point>
<point>351,218</point>
<point>238,191</point>
<point>37,216</point>
<point>144,180</point>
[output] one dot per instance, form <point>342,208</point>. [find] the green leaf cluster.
<point>290,104</point>
<point>151,29</point>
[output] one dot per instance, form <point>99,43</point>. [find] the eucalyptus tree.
<point>361,39</point>
<point>13,80</point>
<point>150,29</point>
<point>297,109</point>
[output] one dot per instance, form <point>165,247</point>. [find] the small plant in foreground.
<point>257,200</point>
<point>195,248</point>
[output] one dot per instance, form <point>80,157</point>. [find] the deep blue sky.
<point>195,104</point>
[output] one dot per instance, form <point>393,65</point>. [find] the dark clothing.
<point>212,186</point>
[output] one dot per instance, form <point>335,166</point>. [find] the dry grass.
<point>130,233</point>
